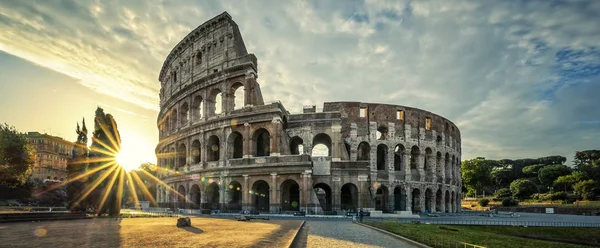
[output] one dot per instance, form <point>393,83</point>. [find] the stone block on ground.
<point>183,222</point>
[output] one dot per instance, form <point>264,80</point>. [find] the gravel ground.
<point>344,234</point>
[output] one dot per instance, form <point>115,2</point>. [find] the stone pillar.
<point>408,201</point>
<point>247,140</point>
<point>337,146</point>
<point>421,166</point>
<point>275,137</point>
<point>406,165</point>
<point>422,200</point>
<point>390,165</point>
<point>245,194</point>
<point>391,199</point>
<point>304,199</point>
<point>249,89</point>
<point>273,194</point>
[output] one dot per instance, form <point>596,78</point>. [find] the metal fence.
<point>436,241</point>
<point>493,222</point>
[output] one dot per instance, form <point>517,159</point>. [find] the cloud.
<point>518,77</point>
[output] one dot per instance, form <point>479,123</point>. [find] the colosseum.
<point>222,147</point>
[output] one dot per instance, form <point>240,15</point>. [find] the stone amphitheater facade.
<point>250,155</point>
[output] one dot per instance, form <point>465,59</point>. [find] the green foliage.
<point>587,189</point>
<point>483,202</point>
<point>502,177</point>
<point>558,196</point>
<point>17,157</point>
<point>502,193</point>
<point>509,202</point>
<point>523,188</point>
<point>566,182</point>
<point>476,174</point>
<point>532,170</point>
<point>548,174</point>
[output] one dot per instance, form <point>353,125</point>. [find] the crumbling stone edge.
<point>295,238</point>
<point>396,236</point>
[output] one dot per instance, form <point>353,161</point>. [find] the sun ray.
<point>112,151</point>
<point>120,187</point>
<point>95,184</point>
<point>162,183</point>
<point>143,186</point>
<point>70,180</point>
<point>107,191</point>
<point>93,160</point>
<point>132,189</point>
<point>110,137</point>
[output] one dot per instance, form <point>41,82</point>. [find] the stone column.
<point>247,140</point>
<point>304,198</point>
<point>390,165</point>
<point>274,192</point>
<point>422,200</point>
<point>421,166</point>
<point>406,164</point>
<point>245,194</point>
<point>275,136</point>
<point>248,89</point>
<point>337,146</point>
<point>408,201</point>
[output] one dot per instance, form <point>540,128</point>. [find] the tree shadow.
<point>192,229</point>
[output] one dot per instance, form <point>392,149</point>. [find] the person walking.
<point>360,215</point>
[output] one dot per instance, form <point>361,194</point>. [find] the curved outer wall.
<point>214,154</point>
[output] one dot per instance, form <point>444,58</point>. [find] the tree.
<point>548,174</point>
<point>502,193</point>
<point>587,189</point>
<point>76,166</point>
<point>17,157</point>
<point>588,162</point>
<point>532,170</point>
<point>523,188</point>
<point>502,177</point>
<point>476,174</point>
<point>567,182</point>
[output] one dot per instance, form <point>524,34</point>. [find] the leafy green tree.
<point>476,174</point>
<point>502,177</point>
<point>523,188</point>
<point>548,174</point>
<point>587,189</point>
<point>566,182</point>
<point>502,193</point>
<point>588,162</point>
<point>532,170</point>
<point>17,157</point>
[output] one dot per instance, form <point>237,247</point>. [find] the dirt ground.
<point>148,232</point>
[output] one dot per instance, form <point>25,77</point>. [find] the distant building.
<point>52,154</point>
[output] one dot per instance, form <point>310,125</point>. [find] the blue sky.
<point>519,78</point>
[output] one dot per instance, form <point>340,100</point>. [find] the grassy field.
<point>148,232</point>
<point>498,236</point>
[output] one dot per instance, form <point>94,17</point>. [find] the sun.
<point>125,161</point>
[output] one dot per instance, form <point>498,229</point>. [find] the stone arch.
<point>416,200</point>
<point>215,102</point>
<point>399,199</point>
<point>234,195</point>
<point>173,119</point>
<point>235,143</point>
<point>213,148</point>
<point>452,202</point>
<point>296,145</point>
<point>429,200</point>
<point>382,198</point>
<point>321,145</point>
<point>438,201</point>
<point>452,170</point>
<point>196,151</point>
<point>447,168</point>
<point>382,132</point>
<point>181,196</point>
<point>324,196</point>
<point>237,93</point>
<point>195,195</point>
<point>290,195</point>
<point>212,196</point>
<point>197,107</point>
<point>447,203</point>
<point>260,196</point>
<point>183,114</point>
<point>382,152</point>
<point>414,163</point>
<point>172,155</point>
<point>398,156</point>
<point>349,197</point>
<point>181,155</point>
<point>262,146</point>
<point>364,151</point>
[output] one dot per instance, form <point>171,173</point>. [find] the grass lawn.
<point>497,236</point>
<point>148,232</point>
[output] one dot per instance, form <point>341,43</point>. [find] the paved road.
<point>317,233</point>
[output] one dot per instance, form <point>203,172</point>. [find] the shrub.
<point>502,193</point>
<point>586,189</point>
<point>570,199</point>
<point>556,196</point>
<point>509,202</point>
<point>523,188</point>
<point>483,202</point>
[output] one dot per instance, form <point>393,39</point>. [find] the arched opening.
<point>398,153</point>
<point>399,199</point>
<point>172,158</point>
<point>321,145</point>
<point>428,165</point>
<point>452,166</point>
<point>235,142</point>
<point>263,143</point>
<point>183,114</point>
<point>296,145</point>
<point>447,168</point>
<point>382,151</point>
<point>174,119</point>
<point>428,200</point>
<point>214,147</point>
<point>439,166</point>
<point>382,133</point>
<point>216,102</point>
<point>196,151</point>
<point>181,197</point>
<point>181,155</point>
<point>234,196</point>
<point>237,95</point>
<point>414,164</point>
<point>364,151</point>
<point>452,203</point>
<point>212,196</point>
<point>416,201</point>
<point>197,108</point>
<point>195,190</point>
<point>447,203</point>
<point>381,199</point>
<point>323,192</point>
<point>260,196</point>
<point>290,195</point>
<point>438,201</point>
<point>349,197</point>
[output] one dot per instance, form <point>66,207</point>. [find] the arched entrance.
<point>234,200</point>
<point>323,192</point>
<point>428,200</point>
<point>399,199</point>
<point>262,146</point>
<point>416,201</point>
<point>381,199</point>
<point>290,195</point>
<point>212,196</point>
<point>447,201</point>
<point>260,196</point>
<point>195,195</point>
<point>349,197</point>
<point>438,201</point>
<point>235,143</point>
<point>181,197</point>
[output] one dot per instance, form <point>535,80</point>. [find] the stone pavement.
<point>343,234</point>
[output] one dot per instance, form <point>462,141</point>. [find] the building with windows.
<point>52,154</point>
<point>222,147</point>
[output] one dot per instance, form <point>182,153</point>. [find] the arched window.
<point>382,157</point>
<point>321,145</point>
<point>183,115</point>
<point>216,102</point>
<point>262,146</point>
<point>174,119</point>
<point>237,95</point>
<point>235,142</point>
<point>296,145</point>
<point>197,108</point>
<point>196,151</point>
<point>364,151</point>
<point>213,148</point>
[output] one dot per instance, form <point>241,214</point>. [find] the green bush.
<point>570,199</point>
<point>523,188</point>
<point>558,196</point>
<point>502,193</point>
<point>483,202</point>
<point>509,202</point>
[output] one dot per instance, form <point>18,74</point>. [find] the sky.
<point>521,79</point>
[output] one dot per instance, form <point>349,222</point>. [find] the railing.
<point>494,222</point>
<point>434,240</point>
